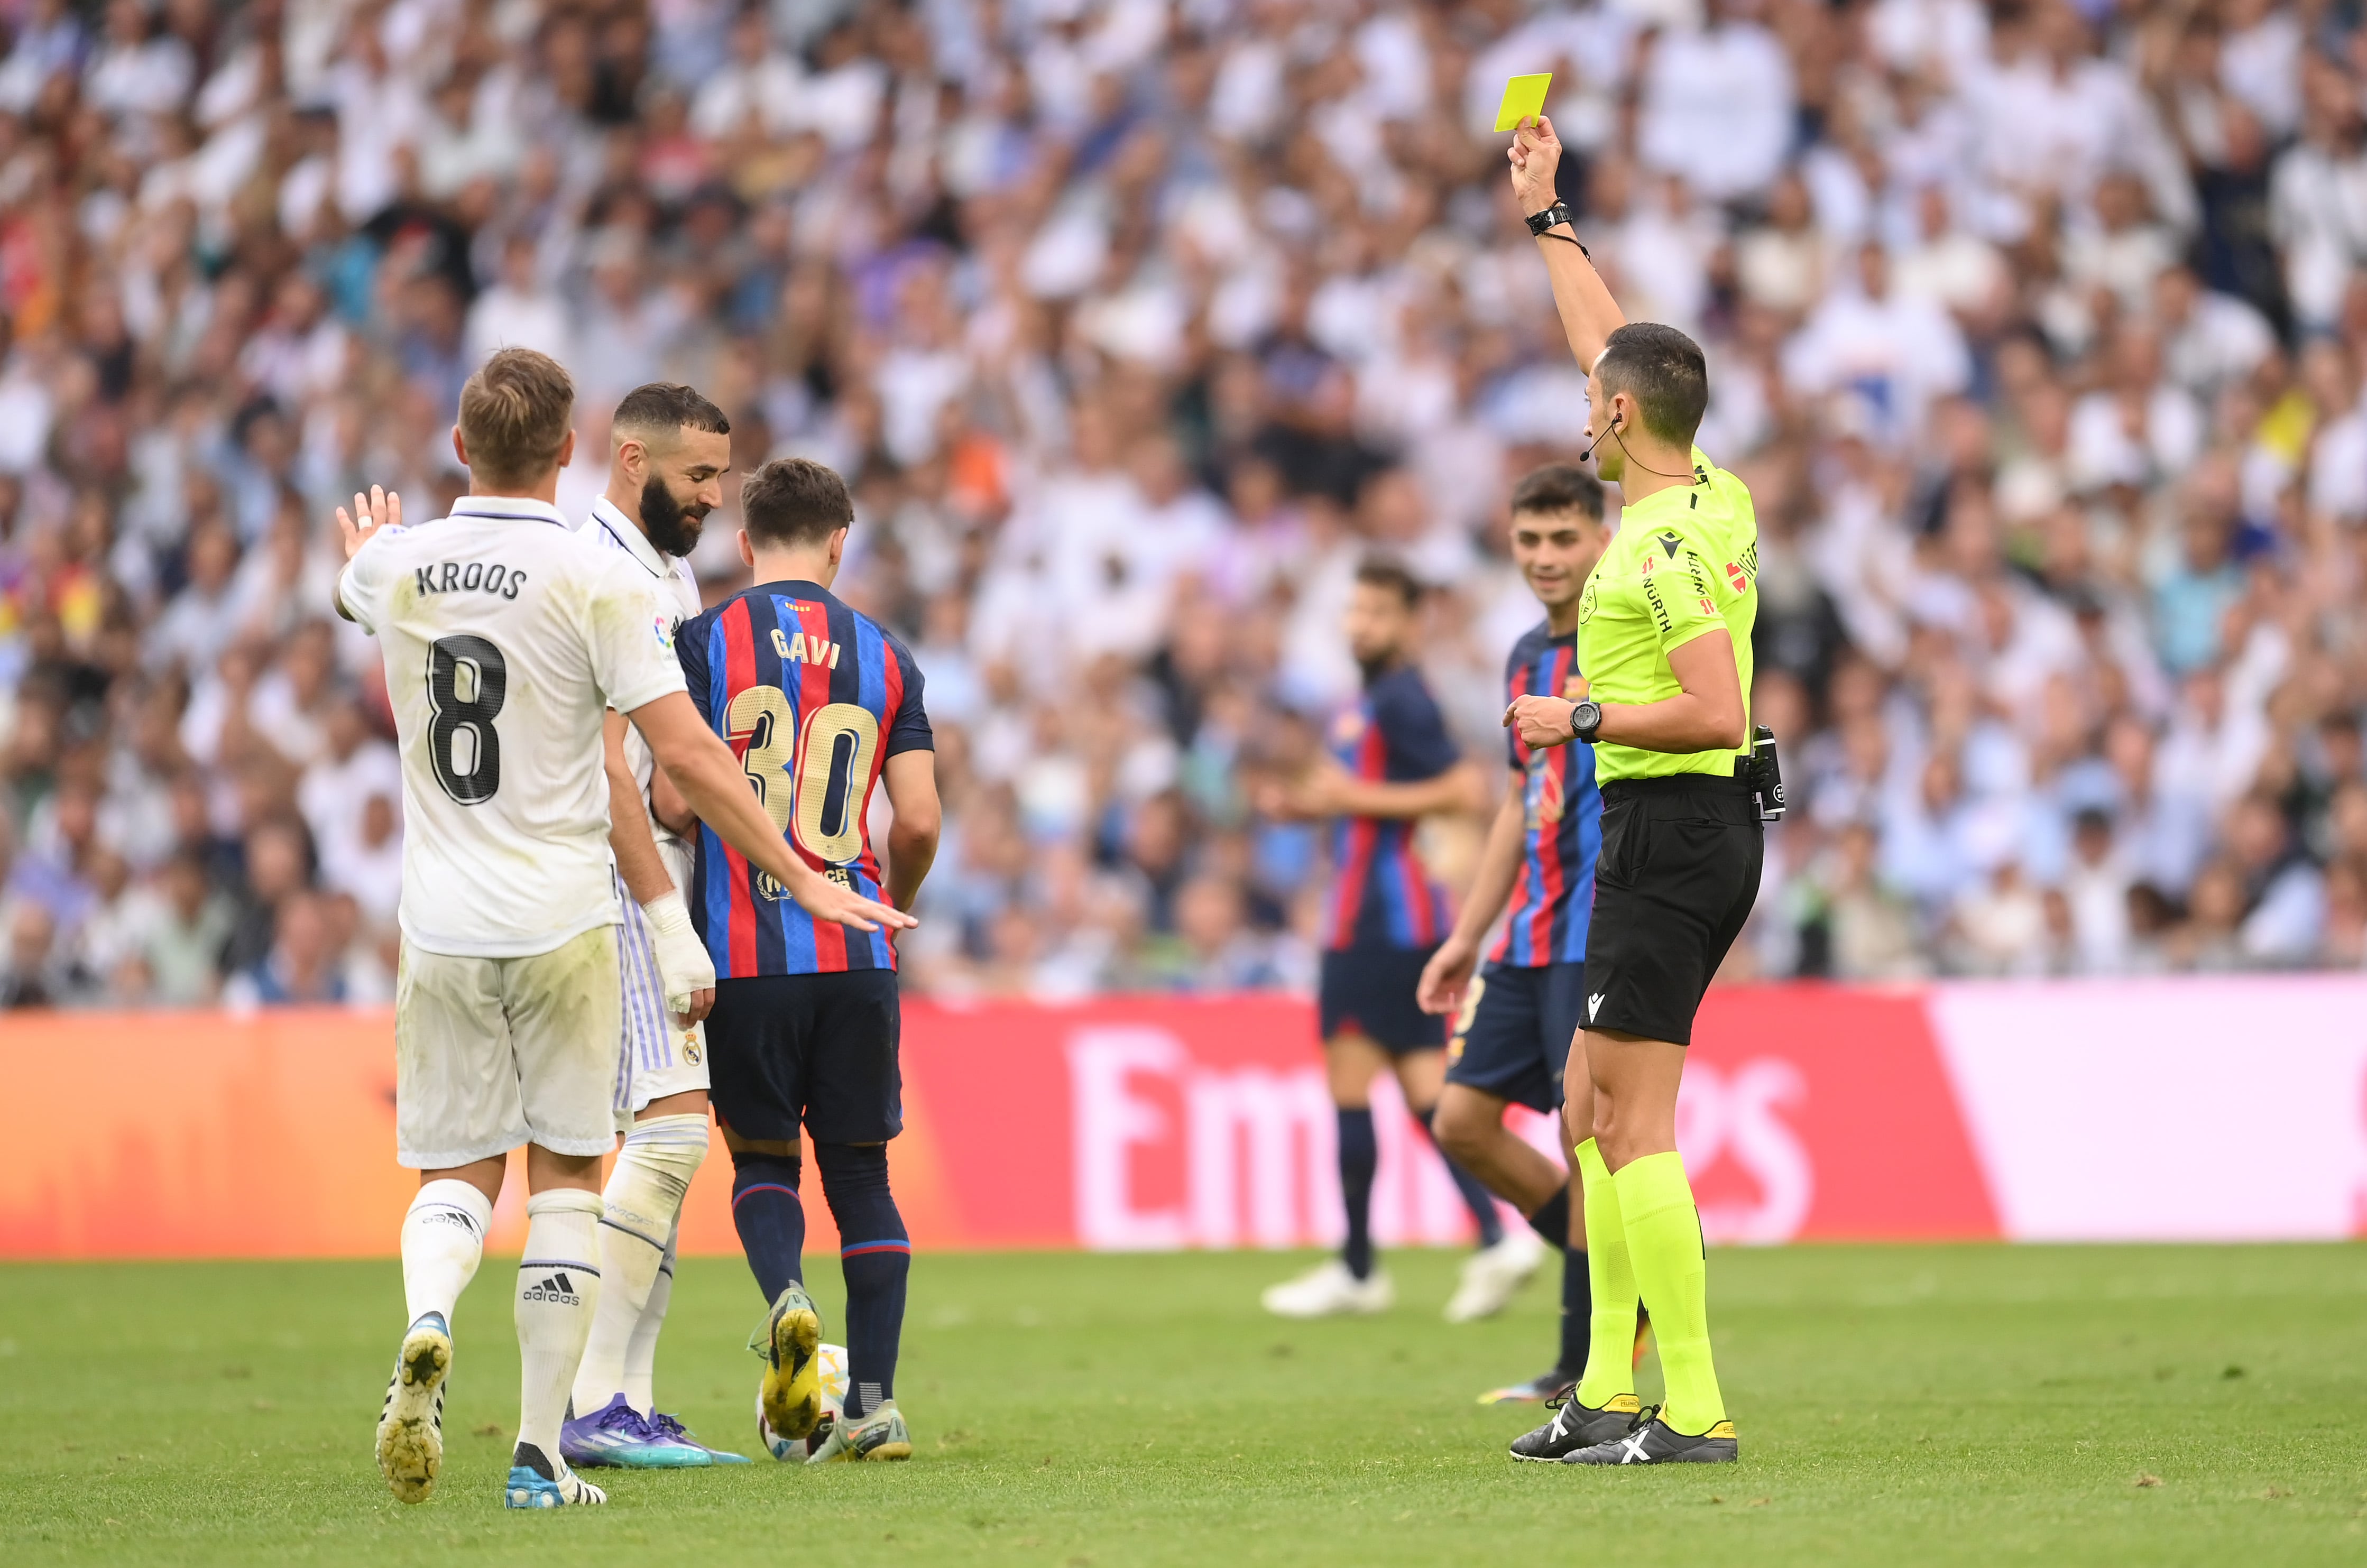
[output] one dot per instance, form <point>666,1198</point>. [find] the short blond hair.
<point>514,416</point>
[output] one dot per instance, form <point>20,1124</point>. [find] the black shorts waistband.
<point>1675,783</point>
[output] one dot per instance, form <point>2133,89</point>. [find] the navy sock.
<point>1476,1197</point>
<point>1360,1155</point>
<point>1552,1219</point>
<point>771,1221</point>
<point>1577,1311</point>
<point>875,1252</point>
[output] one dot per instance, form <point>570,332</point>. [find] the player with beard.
<point>669,449</point>
<point>1392,765</point>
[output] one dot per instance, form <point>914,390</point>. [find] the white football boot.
<point>880,1436</point>
<point>1330,1291</point>
<point>410,1423</point>
<point>1494,1275</point>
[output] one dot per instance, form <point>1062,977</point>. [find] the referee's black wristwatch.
<point>1553,217</point>
<point>1586,720</point>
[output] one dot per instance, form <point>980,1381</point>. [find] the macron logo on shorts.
<point>1593,1006</point>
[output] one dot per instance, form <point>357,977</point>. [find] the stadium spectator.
<point>305,963</point>
<point>2037,330</point>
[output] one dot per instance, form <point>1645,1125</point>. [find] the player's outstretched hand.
<point>379,509</point>
<point>1447,976</point>
<point>1535,154</point>
<point>1309,797</point>
<point>1543,722</point>
<point>826,900</point>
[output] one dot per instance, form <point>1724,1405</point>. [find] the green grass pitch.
<point>1896,1405</point>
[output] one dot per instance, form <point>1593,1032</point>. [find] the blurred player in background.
<point>668,450</point>
<point>1395,764</point>
<point>1516,1018</point>
<point>506,639</point>
<point>822,705</point>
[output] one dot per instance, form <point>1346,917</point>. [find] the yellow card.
<point>1525,97</point>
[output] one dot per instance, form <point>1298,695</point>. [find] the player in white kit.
<point>669,448</point>
<point>506,637</point>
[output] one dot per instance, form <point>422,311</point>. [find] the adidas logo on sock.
<point>558,1289</point>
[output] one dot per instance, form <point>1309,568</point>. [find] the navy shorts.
<point>1511,1039</point>
<point>1370,990</point>
<point>816,1051</point>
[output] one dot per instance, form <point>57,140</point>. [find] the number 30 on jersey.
<point>811,782</point>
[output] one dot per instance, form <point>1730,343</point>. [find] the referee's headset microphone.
<point>1610,433</point>
<point>1598,441</point>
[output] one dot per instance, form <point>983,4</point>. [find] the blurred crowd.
<point>2036,328</point>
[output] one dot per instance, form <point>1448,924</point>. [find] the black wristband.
<point>1557,213</point>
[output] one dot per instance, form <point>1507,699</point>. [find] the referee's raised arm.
<point>1589,314</point>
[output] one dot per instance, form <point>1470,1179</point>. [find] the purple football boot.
<point>616,1434</point>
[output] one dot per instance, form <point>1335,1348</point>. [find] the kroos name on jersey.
<point>474,577</point>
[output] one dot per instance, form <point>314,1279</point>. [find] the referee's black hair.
<point>1558,487</point>
<point>669,406</point>
<point>1380,572</point>
<point>1664,371</point>
<point>794,500</point>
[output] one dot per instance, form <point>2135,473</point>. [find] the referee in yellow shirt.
<point>1664,638</point>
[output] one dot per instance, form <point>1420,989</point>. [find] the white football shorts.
<point>493,1052</point>
<point>656,1056</point>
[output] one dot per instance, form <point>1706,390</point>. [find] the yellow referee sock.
<point>1665,1241</point>
<point>1611,1343</point>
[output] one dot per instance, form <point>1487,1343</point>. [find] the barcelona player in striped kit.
<point>1395,764</point>
<point>822,705</point>
<point>1515,1020</point>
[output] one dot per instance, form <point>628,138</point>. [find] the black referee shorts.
<point>1675,881</point>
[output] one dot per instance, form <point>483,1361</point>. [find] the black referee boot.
<point>1576,1426</point>
<point>1653,1442</point>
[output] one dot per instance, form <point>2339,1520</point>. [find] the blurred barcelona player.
<point>1516,1018</point>
<point>1393,764</point>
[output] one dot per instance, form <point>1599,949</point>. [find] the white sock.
<point>641,1349</point>
<point>559,1290</point>
<point>443,1239</point>
<point>640,1208</point>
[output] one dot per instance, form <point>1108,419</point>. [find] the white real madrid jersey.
<point>676,591</point>
<point>506,637</point>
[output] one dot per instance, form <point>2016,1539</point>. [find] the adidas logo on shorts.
<point>558,1289</point>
